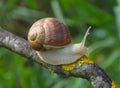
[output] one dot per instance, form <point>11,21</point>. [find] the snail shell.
<point>48,33</point>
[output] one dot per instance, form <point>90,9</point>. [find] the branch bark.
<point>92,72</point>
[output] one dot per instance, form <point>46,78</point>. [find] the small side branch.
<point>92,72</point>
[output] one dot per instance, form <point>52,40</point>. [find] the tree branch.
<point>90,71</point>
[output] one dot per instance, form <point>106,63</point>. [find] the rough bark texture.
<point>92,72</point>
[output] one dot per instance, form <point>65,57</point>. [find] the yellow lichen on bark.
<point>79,62</point>
<point>84,59</point>
<point>68,67</point>
<point>114,85</point>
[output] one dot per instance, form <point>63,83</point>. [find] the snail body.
<point>64,55</point>
<point>57,48</point>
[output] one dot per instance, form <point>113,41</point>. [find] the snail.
<point>52,42</point>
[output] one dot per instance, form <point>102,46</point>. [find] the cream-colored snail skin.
<point>57,49</point>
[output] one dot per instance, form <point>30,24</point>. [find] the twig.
<point>92,72</point>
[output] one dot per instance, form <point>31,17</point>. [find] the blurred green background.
<point>103,42</point>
